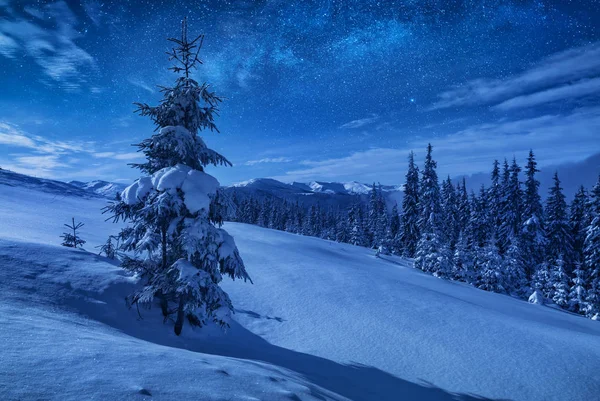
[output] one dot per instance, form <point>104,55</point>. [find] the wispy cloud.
<point>570,91</point>
<point>360,122</point>
<point>34,154</point>
<point>118,156</point>
<point>470,150</point>
<point>549,80</point>
<point>49,39</point>
<point>268,160</point>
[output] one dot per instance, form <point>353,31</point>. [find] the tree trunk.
<point>164,304</point>
<point>180,316</point>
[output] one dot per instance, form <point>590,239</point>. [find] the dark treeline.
<point>501,239</point>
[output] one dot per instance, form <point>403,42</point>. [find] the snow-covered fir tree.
<point>511,210</point>
<point>559,243</point>
<point>462,260</point>
<point>432,254</point>
<point>515,278</point>
<point>491,275</point>
<point>175,211</point>
<point>494,199</point>
<point>394,239</point>
<point>409,222</point>
<point>463,206</point>
<point>579,219</point>
<point>450,225</point>
<point>578,292</point>
<point>591,254</point>
<point>533,240</point>
<point>560,282</point>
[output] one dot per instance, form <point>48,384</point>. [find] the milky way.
<point>307,83</point>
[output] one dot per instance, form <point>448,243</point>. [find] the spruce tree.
<point>176,210</point>
<point>515,278</point>
<point>491,277</point>
<point>579,219</point>
<point>450,225</point>
<point>591,254</point>
<point>560,283</point>
<point>558,234</point>
<point>409,222</point>
<point>578,292</point>
<point>533,240</point>
<point>510,227</point>
<point>432,254</point>
<point>494,197</point>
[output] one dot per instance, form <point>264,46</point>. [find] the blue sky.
<point>316,90</point>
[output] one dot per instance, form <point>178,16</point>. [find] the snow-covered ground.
<point>322,321</point>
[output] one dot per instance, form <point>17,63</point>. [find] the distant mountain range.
<point>334,194</point>
<point>99,187</point>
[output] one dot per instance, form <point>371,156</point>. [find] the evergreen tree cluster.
<point>502,238</point>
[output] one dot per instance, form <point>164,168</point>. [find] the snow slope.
<point>322,321</point>
<point>102,188</point>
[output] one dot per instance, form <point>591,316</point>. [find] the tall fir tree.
<point>532,233</point>
<point>494,197</point>
<point>579,219</point>
<point>409,222</point>
<point>591,254</point>
<point>450,224</point>
<point>175,212</point>
<point>432,254</point>
<point>511,210</point>
<point>559,242</point>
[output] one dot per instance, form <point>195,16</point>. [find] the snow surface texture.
<point>99,187</point>
<point>322,321</point>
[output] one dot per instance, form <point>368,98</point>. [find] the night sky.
<point>315,90</point>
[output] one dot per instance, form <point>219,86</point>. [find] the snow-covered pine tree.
<point>264,216</point>
<point>463,206</point>
<point>450,225</point>
<point>510,227</point>
<point>491,276</point>
<point>432,254</point>
<point>532,234</point>
<point>355,224</point>
<point>409,222</point>
<point>494,197</point>
<point>380,237</point>
<point>462,261</point>
<point>579,219</point>
<point>515,279</point>
<point>175,212</point>
<point>578,292</point>
<point>559,242</point>
<point>591,254</point>
<point>560,282</point>
<point>394,238</point>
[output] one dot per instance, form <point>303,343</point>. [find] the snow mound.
<point>82,342</point>
<point>323,321</point>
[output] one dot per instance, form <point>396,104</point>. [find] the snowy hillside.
<point>323,321</point>
<point>103,188</point>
